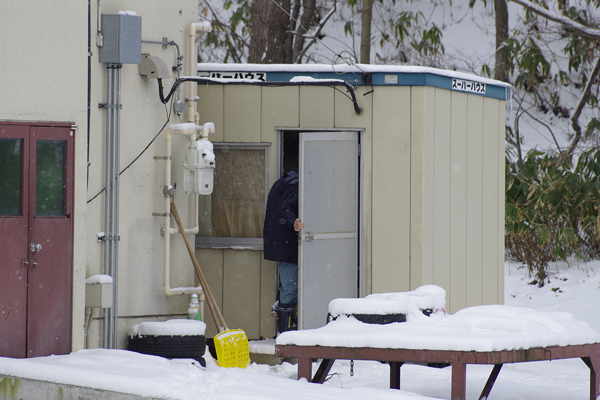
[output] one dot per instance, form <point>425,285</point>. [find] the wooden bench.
<point>589,353</point>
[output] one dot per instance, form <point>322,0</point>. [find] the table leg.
<point>490,382</point>
<point>395,374</point>
<point>594,364</point>
<point>459,379</point>
<point>323,370</point>
<point>305,368</point>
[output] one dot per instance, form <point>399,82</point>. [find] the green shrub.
<point>552,210</point>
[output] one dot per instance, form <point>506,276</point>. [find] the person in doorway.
<point>280,239</point>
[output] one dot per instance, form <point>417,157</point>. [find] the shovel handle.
<point>212,304</point>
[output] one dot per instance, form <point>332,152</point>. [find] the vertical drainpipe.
<point>111,210</point>
<point>108,199</point>
<point>116,233</point>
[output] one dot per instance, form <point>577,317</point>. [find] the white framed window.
<point>233,215</point>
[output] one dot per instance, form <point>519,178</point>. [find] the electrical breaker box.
<point>98,295</point>
<point>122,39</point>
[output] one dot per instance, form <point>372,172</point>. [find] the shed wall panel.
<point>475,199</point>
<point>417,127</point>
<point>391,190</point>
<point>317,107</point>
<point>241,290</point>
<point>364,121</point>
<point>458,200</point>
<point>242,112</point>
<point>211,263</point>
<point>501,200</point>
<point>345,115</point>
<point>211,108</point>
<point>280,108</point>
<point>267,297</point>
<point>429,125</point>
<point>491,182</point>
<point>441,190</point>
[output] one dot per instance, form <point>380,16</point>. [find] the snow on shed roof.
<point>361,74</point>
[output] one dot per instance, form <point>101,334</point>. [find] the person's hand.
<point>298,225</point>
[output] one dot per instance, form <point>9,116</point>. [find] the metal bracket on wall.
<point>168,191</point>
<point>367,78</point>
<point>105,105</point>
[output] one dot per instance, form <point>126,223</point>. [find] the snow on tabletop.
<point>400,305</point>
<point>99,279</point>
<point>481,328</point>
<point>266,346</point>
<point>172,327</point>
<point>425,297</point>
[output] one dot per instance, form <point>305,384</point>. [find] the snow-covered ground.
<point>574,290</point>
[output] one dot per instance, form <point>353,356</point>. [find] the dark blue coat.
<point>279,237</point>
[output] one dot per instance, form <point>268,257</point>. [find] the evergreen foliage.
<point>552,210</point>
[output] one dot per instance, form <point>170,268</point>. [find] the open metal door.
<point>328,206</point>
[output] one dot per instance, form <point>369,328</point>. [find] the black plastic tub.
<point>190,346</point>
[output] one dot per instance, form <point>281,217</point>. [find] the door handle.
<point>35,247</point>
<point>309,236</point>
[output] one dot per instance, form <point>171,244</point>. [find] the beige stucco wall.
<point>140,273</point>
<point>432,199</point>
<point>44,78</point>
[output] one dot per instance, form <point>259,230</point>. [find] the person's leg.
<point>288,296</point>
<point>288,275</point>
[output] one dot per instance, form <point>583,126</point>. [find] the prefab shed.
<point>404,190</point>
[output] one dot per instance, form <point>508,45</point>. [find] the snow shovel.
<point>231,344</point>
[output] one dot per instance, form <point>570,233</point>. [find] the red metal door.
<point>14,231</point>
<point>42,324</point>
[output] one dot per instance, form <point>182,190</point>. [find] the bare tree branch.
<point>584,99</point>
<point>582,29</point>
<point>317,32</point>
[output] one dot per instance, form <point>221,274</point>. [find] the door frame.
<point>69,208</point>
<point>361,262</point>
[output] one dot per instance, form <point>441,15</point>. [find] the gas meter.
<point>199,168</point>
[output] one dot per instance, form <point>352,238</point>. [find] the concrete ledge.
<point>15,388</point>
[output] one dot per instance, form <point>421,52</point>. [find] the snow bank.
<point>172,327</point>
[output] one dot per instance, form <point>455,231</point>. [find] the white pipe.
<point>168,231</point>
<point>108,196</point>
<point>202,28</point>
<point>88,320</point>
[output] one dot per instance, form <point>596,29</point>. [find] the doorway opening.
<point>328,162</point>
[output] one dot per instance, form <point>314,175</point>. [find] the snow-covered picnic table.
<point>493,334</point>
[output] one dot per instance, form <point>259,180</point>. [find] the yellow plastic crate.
<point>232,348</point>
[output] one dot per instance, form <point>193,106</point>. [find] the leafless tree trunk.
<point>501,69</point>
<point>289,39</point>
<point>365,32</point>
<point>308,12</point>
<point>270,22</point>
